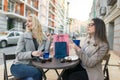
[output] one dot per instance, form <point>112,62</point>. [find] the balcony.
<point>111,2</point>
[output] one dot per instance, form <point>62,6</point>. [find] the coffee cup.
<point>46,55</point>
<point>77,42</point>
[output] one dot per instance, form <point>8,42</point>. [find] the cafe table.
<point>55,64</point>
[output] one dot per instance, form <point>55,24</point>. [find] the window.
<point>11,34</point>
<point>102,11</point>
<point>0,4</point>
<point>17,34</point>
<point>11,6</point>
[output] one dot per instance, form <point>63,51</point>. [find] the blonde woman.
<point>31,44</point>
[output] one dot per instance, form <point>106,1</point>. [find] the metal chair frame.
<point>7,57</point>
<point>105,68</point>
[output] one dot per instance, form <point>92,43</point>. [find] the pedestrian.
<point>73,37</point>
<point>91,54</point>
<point>30,45</point>
<point>52,44</point>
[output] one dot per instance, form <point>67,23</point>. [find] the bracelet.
<point>32,55</point>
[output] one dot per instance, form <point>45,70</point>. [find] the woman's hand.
<point>37,53</point>
<point>73,45</point>
<point>49,36</point>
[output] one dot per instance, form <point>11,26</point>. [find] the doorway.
<point>111,34</point>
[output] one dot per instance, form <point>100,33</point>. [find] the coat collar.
<point>89,42</point>
<point>28,35</point>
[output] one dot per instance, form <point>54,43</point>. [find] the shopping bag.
<point>62,38</point>
<point>60,49</point>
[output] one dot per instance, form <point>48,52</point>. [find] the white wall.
<point>3,22</point>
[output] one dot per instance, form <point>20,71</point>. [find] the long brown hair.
<point>100,30</point>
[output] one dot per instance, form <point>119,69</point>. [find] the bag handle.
<point>58,36</point>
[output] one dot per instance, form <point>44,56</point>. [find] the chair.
<point>105,68</point>
<point>7,57</point>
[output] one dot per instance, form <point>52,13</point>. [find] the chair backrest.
<point>5,58</point>
<point>105,68</point>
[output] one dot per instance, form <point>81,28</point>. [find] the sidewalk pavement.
<point>114,68</point>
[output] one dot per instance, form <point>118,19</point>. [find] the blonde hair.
<point>37,28</point>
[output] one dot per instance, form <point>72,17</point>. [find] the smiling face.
<point>29,23</point>
<point>91,28</point>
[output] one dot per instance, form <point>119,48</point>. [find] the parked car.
<point>9,37</point>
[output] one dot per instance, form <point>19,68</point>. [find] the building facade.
<point>109,11</point>
<point>14,12</point>
<point>56,16</point>
<point>74,25</point>
<point>51,13</point>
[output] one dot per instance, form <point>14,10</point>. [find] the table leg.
<point>43,73</point>
<point>57,72</point>
<point>60,75</point>
<point>46,70</point>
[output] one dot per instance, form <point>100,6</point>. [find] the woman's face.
<point>29,23</point>
<point>91,28</point>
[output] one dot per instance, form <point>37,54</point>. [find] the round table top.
<point>55,64</point>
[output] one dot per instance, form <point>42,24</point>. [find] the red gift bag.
<point>62,38</point>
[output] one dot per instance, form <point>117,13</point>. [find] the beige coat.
<point>91,57</point>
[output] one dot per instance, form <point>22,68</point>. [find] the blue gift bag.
<point>60,49</point>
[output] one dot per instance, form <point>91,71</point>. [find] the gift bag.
<point>62,38</point>
<point>60,49</point>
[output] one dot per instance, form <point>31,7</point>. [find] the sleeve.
<point>21,53</point>
<point>95,58</point>
<point>47,45</point>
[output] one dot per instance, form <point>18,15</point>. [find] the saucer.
<point>46,58</point>
<point>72,58</point>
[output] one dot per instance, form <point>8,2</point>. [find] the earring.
<point>88,42</point>
<point>95,44</point>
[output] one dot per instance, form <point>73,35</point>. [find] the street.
<point>8,50</point>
